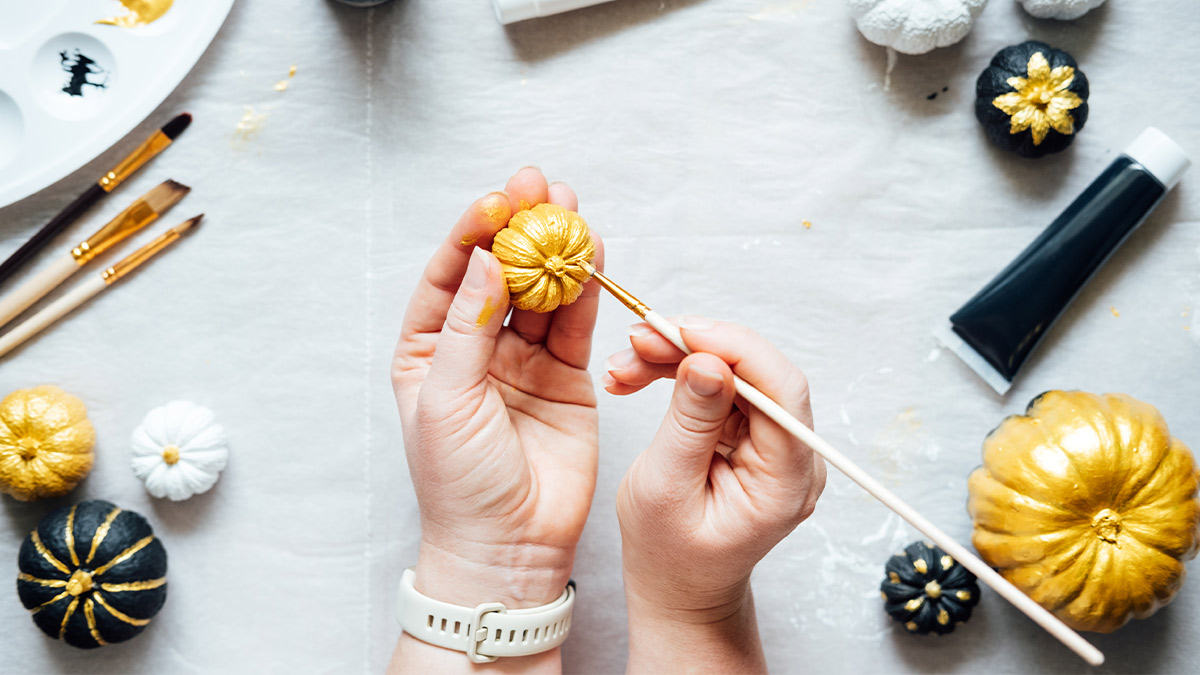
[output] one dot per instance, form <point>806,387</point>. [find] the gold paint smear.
<point>469,239</point>
<point>135,585</point>
<point>141,13</point>
<point>42,551</point>
<point>807,224</point>
<point>1114,311</point>
<point>117,613</point>
<point>123,556</point>
<point>249,125</point>
<point>489,308</point>
<point>102,532</point>
<point>282,85</point>
<point>89,610</point>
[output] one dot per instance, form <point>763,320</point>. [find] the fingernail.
<point>639,330</point>
<point>535,167</point>
<point>692,322</point>
<point>477,271</point>
<point>704,382</point>
<point>619,360</point>
<point>607,380</point>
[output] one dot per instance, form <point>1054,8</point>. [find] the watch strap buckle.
<point>478,634</point>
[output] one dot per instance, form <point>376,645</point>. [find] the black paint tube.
<point>996,330</point>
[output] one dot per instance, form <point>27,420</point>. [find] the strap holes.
<point>525,637</point>
<point>498,633</point>
<point>457,627</point>
<point>443,625</point>
<point>512,636</point>
<point>429,622</point>
<point>536,632</point>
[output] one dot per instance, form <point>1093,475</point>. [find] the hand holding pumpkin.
<point>718,487</point>
<point>500,423</point>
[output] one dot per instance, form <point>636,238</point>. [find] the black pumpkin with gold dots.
<point>927,590</point>
<point>92,574</point>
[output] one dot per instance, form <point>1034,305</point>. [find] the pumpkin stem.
<point>28,448</point>
<point>933,589</point>
<point>1107,525</point>
<point>556,266</point>
<point>170,454</point>
<point>80,582</point>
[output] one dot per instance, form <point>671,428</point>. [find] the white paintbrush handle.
<point>966,558</point>
<point>36,288</point>
<point>84,291</point>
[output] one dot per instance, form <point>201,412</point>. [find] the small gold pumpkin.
<point>541,251</point>
<point>1089,505</point>
<point>45,443</point>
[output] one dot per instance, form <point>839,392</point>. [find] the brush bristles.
<point>166,195</point>
<point>176,126</point>
<point>188,224</point>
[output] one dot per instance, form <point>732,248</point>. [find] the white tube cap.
<point>511,11</point>
<point>1161,156</point>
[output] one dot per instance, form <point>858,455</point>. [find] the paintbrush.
<point>157,142</point>
<point>140,214</point>
<point>795,427</point>
<point>91,287</point>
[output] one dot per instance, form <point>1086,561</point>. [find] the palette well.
<point>81,74</point>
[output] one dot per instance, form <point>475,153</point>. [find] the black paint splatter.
<point>81,68</point>
<point>931,96</point>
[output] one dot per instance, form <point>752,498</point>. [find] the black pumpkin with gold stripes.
<point>92,574</point>
<point>927,590</point>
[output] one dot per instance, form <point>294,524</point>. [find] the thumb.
<point>703,397</point>
<point>468,337</point>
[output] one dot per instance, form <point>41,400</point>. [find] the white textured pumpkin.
<point>179,450</point>
<point>1059,9</point>
<point>915,26</point>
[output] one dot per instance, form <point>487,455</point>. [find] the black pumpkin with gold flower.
<point>1032,99</point>
<point>92,574</point>
<point>927,590</point>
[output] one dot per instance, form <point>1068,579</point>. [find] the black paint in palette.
<point>997,330</point>
<point>81,68</point>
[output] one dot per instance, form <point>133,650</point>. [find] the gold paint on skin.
<point>49,557</point>
<point>1089,505</point>
<point>89,610</point>
<point>70,536</point>
<point>1041,101</point>
<point>141,13</point>
<point>102,532</point>
<point>485,315</point>
<point>134,585</point>
<point>469,239</point>
<point>545,253</point>
<point>523,205</point>
<point>123,556</point>
<point>119,614</point>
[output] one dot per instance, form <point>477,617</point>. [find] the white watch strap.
<point>486,631</point>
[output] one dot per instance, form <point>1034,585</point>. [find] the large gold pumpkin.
<point>45,443</point>
<point>541,251</point>
<point>1089,505</point>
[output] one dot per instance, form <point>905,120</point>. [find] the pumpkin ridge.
<point>89,611</point>
<point>123,555</point>
<point>1136,500</point>
<point>47,555</point>
<point>67,617</point>
<point>69,535</point>
<point>1086,558</point>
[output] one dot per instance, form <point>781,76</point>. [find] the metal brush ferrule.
<point>625,297</point>
<point>126,223</point>
<point>135,259</point>
<point>157,142</point>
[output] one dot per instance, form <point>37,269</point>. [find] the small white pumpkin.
<point>179,450</point>
<point>915,26</point>
<point>1059,9</point>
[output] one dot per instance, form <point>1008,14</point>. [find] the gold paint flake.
<point>282,85</point>
<point>1041,101</point>
<point>249,125</point>
<point>1114,311</point>
<point>141,13</point>
<point>807,224</point>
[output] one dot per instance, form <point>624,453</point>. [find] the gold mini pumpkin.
<point>541,251</point>
<point>1089,505</point>
<point>45,443</point>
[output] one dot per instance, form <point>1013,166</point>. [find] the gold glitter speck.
<point>282,85</point>
<point>249,125</point>
<point>1114,311</point>
<point>807,224</point>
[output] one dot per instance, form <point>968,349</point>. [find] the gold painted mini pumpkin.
<point>1089,505</point>
<point>541,251</point>
<point>45,443</point>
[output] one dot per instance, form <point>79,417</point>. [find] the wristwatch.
<point>487,631</point>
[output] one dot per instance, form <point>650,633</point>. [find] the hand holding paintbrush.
<point>92,287</point>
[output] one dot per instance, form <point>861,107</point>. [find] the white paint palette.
<point>71,87</point>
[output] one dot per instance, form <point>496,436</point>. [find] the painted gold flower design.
<point>1041,101</point>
